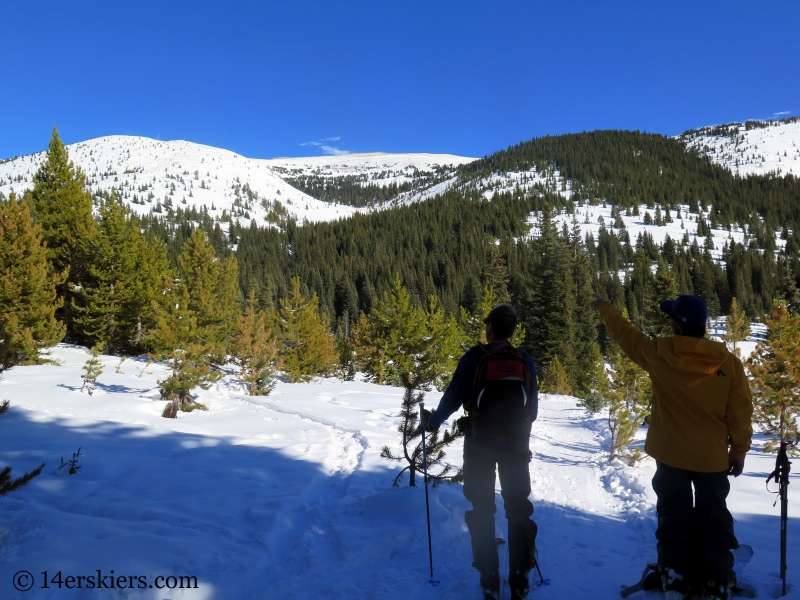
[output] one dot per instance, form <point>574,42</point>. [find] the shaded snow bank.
<point>287,496</point>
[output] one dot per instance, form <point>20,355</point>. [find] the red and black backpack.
<point>500,411</point>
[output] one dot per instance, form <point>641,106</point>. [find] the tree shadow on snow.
<point>251,522</point>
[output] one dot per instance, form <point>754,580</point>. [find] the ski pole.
<point>781,475</point>
<point>425,475</point>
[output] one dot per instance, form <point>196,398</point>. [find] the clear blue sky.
<point>265,78</point>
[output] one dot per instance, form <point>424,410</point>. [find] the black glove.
<point>426,417</point>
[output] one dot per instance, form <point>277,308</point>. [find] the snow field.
<point>771,149</point>
<point>286,496</point>
<point>195,175</point>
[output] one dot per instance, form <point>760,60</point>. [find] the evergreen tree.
<point>114,306</point>
<point>664,288</point>
<point>597,381</point>
<point>775,367</point>
<point>7,483</point>
<point>92,369</point>
<point>63,208</point>
<point>307,344</point>
<point>177,339</point>
<point>411,445</point>
<point>627,403</point>
<point>27,291</point>
<point>212,287</point>
<point>549,317</point>
<point>400,343</point>
<point>737,327</point>
<point>556,379</point>
<point>255,351</point>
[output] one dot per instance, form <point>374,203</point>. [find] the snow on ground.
<point>757,151</point>
<point>287,497</point>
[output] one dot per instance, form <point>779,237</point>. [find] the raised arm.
<point>632,341</point>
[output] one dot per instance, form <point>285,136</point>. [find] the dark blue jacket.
<point>460,390</point>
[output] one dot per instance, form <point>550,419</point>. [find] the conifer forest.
<point>313,298</point>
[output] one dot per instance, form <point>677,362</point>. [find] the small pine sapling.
<point>737,327</point>
<point>92,369</point>
<point>118,368</point>
<point>72,463</point>
<point>411,432</point>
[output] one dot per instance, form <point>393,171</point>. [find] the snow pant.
<point>694,534</point>
<point>515,483</point>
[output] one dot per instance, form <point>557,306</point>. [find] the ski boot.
<point>673,585</point>
<point>519,584</point>
<point>490,584</point>
<point>716,591</point>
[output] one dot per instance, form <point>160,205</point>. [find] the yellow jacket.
<point>701,399</point>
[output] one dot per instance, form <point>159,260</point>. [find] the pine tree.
<point>444,337</point>
<point>213,290</point>
<point>411,446</point>
<point>550,315</point>
<point>737,326</point>
<point>664,288</point>
<point>392,344</point>
<point>400,343</point>
<point>177,339</point>
<point>556,380</point>
<point>627,403</point>
<point>27,291</point>
<point>255,350</point>
<point>775,367</point>
<point>62,207</point>
<point>114,306</point>
<point>92,369</point>
<point>597,382</point>
<point>7,483</point>
<point>307,344</point>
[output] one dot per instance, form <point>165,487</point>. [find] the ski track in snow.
<point>286,496</point>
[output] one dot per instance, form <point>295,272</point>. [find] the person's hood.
<point>693,355</point>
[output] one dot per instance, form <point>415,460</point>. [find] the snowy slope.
<point>374,167</point>
<point>149,172</point>
<point>287,496</point>
<point>774,148</point>
<point>591,218</point>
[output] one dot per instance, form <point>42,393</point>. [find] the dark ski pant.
<point>704,527</point>
<point>515,482</point>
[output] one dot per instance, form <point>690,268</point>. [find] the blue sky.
<point>303,77</point>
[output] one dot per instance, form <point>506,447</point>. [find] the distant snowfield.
<point>772,149</point>
<point>147,172</point>
<point>287,497</point>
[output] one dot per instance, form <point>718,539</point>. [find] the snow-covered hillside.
<point>287,497</point>
<point>757,149</point>
<point>149,174</point>
<point>683,228</point>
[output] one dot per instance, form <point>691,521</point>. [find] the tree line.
<point>314,299</point>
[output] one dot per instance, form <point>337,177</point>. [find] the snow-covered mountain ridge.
<point>751,148</point>
<point>151,174</point>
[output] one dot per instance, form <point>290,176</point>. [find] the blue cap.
<point>687,309</point>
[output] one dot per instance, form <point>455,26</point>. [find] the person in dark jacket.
<point>481,461</point>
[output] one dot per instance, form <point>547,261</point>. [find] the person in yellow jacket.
<point>699,433</point>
